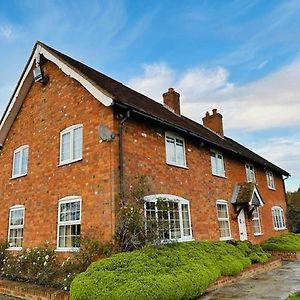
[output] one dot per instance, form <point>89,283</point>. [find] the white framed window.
<point>270,180</point>
<point>172,215</point>
<point>16,227</point>
<point>175,150</point>
<point>69,223</point>
<point>217,163</point>
<point>71,144</point>
<point>223,220</point>
<point>20,161</point>
<point>256,221</point>
<point>250,173</point>
<point>278,218</point>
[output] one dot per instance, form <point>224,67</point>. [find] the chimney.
<point>214,122</point>
<point>171,101</point>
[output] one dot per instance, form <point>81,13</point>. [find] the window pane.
<point>185,220</point>
<point>70,211</point>
<point>222,210</point>
<point>24,160</point>
<point>17,162</point>
<point>77,143</point>
<point>16,217</point>
<point>65,147</point>
<point>220,165</point>
<point>179,152</point>
<point>213,163</point>
<point>170,150</point>
<point>224,229</point>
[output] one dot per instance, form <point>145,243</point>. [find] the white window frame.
<point>219,172</point>
<point>227,219</point>
<point>257,219</point>
<point>180,201</point>
<point>175,137</point>
<point>278,218</point>
<point>249,172</point>
<point>14,208</point>
<point>68,199</point>
<point>21,150</point>
<point>270,180</point>
<point>70,130</point>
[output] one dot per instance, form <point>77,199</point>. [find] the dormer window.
<point>20,161</point>
<point>250,173</point>
<point>175,150</point>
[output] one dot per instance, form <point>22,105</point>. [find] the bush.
<point>174,271</point>
<point>3,247</point>
<point>282,242</point>
<point>295,296</point>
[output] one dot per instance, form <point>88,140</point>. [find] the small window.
<point>175,150</point>
<point>217,163</point>
<point>69,223</point>
<point>71,144</point>
<point>278,218</point>
<point>172,215</point>
<point>16,226</point>
<point>20,161</point>
<point>256,222</point>
<point>250,173</point>
<point>270,180</point>
<point>223,220</point>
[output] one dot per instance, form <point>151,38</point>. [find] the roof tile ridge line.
<point>76,70</point>
<point>256,154</point>
<point>86,77</point>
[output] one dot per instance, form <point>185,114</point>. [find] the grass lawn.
<point>295,296</point>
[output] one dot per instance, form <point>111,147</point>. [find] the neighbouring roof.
<point>246,193</point>
<point>138,103</point>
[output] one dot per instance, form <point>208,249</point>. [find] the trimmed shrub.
<point>173,271</point>
<point>295,296</point>
<point>3,247</point>
<point>282,242</point>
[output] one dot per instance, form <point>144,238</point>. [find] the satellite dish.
<point>105,133</point>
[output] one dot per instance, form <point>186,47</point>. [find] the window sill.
<point>226,238</point>
<point>18,176</point>
<point>258,234</point>
<point>69,162</point>
<point>278,229</point>
<point>272,189</point>
<point>178,166</point>
<point>220,176</point>
<point>67,249</point>
<point>14,249</point>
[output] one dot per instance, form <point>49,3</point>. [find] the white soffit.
<point>27,80</point>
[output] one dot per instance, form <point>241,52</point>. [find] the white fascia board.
<point>27,80</point>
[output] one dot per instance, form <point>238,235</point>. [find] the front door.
<point>242,225</point>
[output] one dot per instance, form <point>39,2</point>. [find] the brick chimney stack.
<point>172,100</point>
<point>214,122</point>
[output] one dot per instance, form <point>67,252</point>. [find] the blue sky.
<point>242,57</point>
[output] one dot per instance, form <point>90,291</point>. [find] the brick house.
<point>71,137</point>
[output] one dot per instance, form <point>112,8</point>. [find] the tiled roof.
<point>244,194</point>
<point>149,108</point>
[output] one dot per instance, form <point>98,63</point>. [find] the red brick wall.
<point>144,146</point>
<point>45,112</point>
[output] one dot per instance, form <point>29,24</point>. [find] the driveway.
<point>277,284</point>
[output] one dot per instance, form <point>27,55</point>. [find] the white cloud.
<point>271,102</point>
<point>7,32</point>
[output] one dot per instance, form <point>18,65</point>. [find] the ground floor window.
<point>16,226</point>
<point>223,220</point>
<point>69,223</point>
<point>256,221</point>
<point>278,218</point>
<point>172,216</point>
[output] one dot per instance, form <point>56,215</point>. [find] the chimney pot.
<point>172,100</point>
<point>214,122</point>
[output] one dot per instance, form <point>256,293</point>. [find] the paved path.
<point>277,284</point>
<point>4,297</point>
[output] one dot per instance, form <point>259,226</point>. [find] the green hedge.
<point>175,271</point>
<point>295,296</point>
<point>283,242</point>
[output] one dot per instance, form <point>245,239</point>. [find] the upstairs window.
<point>175,150</point>
<point>270,180</point>
<point>171,215</point>
<point>278,218</point>
<point>20,161</point>
<point>223,220</point>
<point>217,163</point>
<point>250,173</point>
<point>16,226</point>
<point>69,223</point>
<point>256,222</point>
<point>71,144</point>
